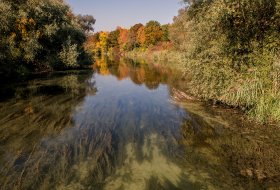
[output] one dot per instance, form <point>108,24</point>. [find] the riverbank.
<point>254,91</point>
<point>164,56</point>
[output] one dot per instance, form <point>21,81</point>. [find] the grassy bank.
<point>255,91</point>
<point>169,57</point>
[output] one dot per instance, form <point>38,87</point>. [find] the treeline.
<point>232,52</point>
<point>123,40</point>
<point>41,35</point>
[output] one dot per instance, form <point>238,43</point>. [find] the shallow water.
<point>128,125</point>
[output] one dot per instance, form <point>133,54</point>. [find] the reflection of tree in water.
<point>139,72</point>
<point>102,66</point>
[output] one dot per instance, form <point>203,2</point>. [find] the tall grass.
<point>255,90</point>
<point>164,57</point>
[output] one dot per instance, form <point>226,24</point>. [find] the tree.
<point>132,42</point>
<point>113,38</point>
<point>178,31</point>
<point>249,25</point>
<point>141,38</point>
<point>93,44</point>
<point>153,33</point>
<point>123,38</point>
<point>165,30</point>
<point>34,33</point>
<point>113,44</point>
<point>69,54</point>
<point>86,22</point>
<point>103,42</point>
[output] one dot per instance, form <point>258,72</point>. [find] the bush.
<point>69,55</point>
<point>231,50</point>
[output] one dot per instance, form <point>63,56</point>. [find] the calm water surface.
<point>127,125</point>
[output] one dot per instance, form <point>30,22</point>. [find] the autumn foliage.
<point>122,40</point>
<point>41,36</point>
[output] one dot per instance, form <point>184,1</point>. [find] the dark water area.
<point>128,125</point>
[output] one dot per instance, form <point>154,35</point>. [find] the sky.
<point>125,13</point>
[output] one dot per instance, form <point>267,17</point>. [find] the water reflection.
<point>125,127</point>
<point>140,73</point>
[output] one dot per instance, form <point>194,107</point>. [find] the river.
<point>128,125</point>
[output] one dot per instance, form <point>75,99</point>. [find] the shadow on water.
<point>126,127</point>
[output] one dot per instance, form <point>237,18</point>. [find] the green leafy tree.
<point>69,54</point>
<point>34,32</point>
<point>165,29</point>
<point>178,31</point>
<point>86,22</point>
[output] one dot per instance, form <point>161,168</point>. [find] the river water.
<point>128,125</point>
